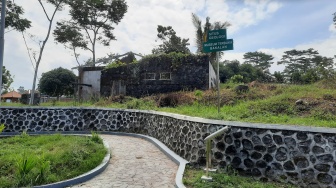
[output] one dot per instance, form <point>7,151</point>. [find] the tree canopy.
<point>306,66</point>
<point>57,82</point>
<point>91,22</point>
<point>14,17</point>
<point>171,42</point>
<point>7,79</point>
<point>260,60</point>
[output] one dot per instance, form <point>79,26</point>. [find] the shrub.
<point>2,127</point>
<point>237,79</point>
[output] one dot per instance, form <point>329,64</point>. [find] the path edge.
<point>78,179</point>
<point>163,148</point>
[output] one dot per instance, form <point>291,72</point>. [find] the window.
<point>150,76</point>
<point>165,76</point>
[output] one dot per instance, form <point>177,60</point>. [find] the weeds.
<point>192,178</point>
<point>27,161</point>
<point>95,137</point>
<point>2,127</point>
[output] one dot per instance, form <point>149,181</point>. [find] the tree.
<point>202,30</point>
<point>13,17</point>
<point>58,6</point>
<point>21,90</point>
<point>171,42</point>
<point>7,79</point>
<point>260,60</point>
<point>279,78</point>
<point>91,22</point>
<point>57,82</point>
<point>334,18</point>
<point>306,66</point>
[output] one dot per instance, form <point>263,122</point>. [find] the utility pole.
<point>2,40</point>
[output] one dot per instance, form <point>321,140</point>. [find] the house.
<point>12,96</point>
<point>158,74</point>
<point>88,86</point>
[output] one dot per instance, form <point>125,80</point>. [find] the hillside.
<point>309,105</point>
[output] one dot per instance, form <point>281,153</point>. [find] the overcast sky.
<point>270,26</point>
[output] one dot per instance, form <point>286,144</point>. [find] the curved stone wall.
<point>301,155</point>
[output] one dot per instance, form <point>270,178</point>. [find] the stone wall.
<point>301,155</point>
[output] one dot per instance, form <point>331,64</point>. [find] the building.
<point>160,74</point>
<point>12,96</point>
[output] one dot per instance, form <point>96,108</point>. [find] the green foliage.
<point>306,66</point>
<point>170,41</point>
<point>95,137</point>
<point>260,60</point>
<point>115,64</point>
<point>176,59</point>
<point>237,79</point>
<point>36,160</point>
<point>14,17</point>
<point>2,127</point>
<point>279,78</point>
<point>57,82</point>
<point>250,73</point>
<point>24,165</point>
<point>7,79</point>
<point>226,178</point>
<point>91,22</point>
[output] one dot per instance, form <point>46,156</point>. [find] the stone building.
<point>158,74</point>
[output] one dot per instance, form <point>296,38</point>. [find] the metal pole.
<point>2,40</point>
<point>218,86</point>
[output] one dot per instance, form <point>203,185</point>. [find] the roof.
<point>12,94</point>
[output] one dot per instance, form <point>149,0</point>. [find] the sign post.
<point>216,41</point>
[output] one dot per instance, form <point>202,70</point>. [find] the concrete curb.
<point>79,179</point>
<point>89,175</point>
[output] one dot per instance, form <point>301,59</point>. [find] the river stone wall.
<point>304,156</point>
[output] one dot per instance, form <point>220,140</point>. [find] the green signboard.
<point>216,35</point>
<point>218,46</point>
<point>216,41</point>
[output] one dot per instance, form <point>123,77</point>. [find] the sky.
<point>269,26</point>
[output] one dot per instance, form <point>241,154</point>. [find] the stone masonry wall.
<point>304,156</point>
<point>191,72</point>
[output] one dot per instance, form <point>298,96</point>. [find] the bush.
<point>237,79</point>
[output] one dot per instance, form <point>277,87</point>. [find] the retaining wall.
<point>301,155</point>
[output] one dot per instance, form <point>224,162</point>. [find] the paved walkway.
<point>135,163</point>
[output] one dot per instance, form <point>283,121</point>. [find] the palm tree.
<point>201,32</point>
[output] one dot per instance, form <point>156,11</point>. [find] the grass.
<point>192,179</point>
<point>35,160</point>
<point>266,103</point>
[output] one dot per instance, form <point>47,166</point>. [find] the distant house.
<point>12,96</point>
<point>158,75</point>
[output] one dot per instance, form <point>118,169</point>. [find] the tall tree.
<point>260,60</point>
<point>57,82</point>
<point>171,42</point>
<point>91,22</point>
<point>7,79</point>
<point>50,17</point>
<point>202,30</point>
<point>307,66</point>
<point>334,18</point>
<point>14,18</point>
<point>298,60</point>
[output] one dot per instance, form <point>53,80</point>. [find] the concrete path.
<point>135,163</point>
